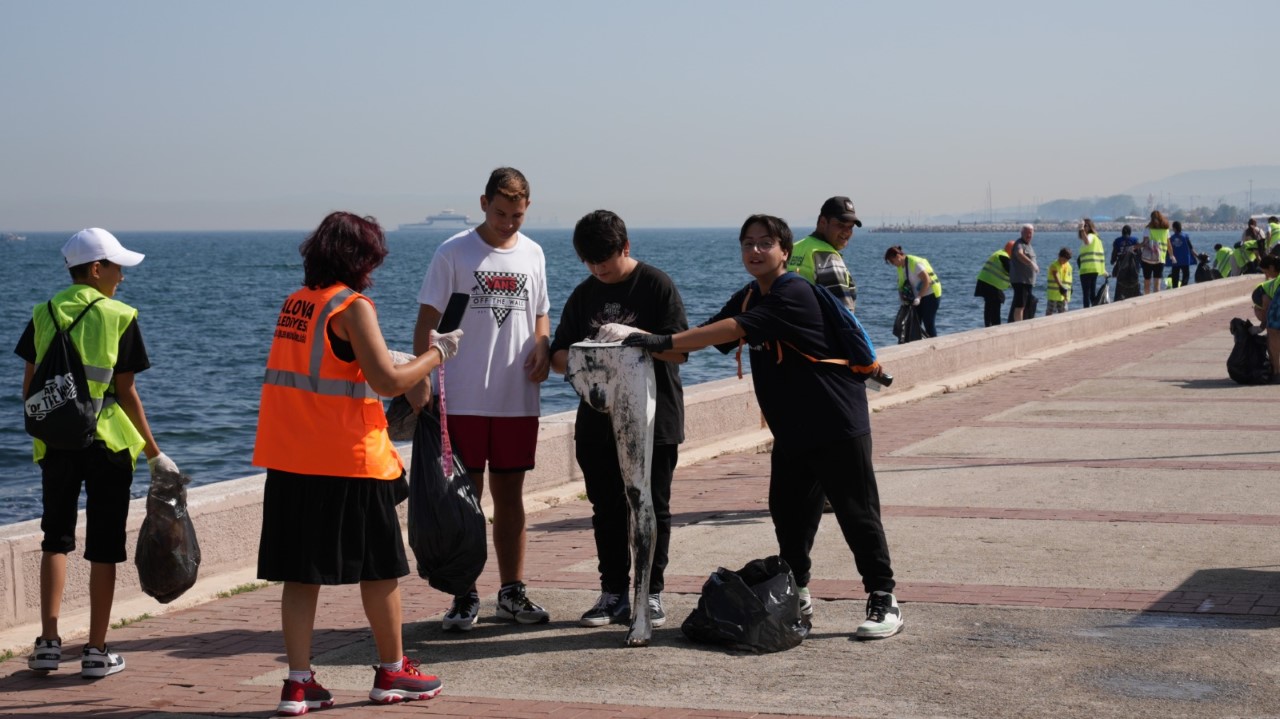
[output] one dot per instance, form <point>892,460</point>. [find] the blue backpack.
<point>853,348</point>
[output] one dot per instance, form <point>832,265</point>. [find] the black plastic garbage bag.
<point>755,609</point>
<point>167,555</point>
<point>907,326</point>
<point>446,526</point>
<point>1249,361</point>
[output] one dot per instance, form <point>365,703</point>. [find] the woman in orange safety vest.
<point>333,476</point>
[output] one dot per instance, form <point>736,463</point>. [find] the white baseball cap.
<point>96,244</point>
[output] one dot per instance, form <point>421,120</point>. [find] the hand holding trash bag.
<point>167,555</point>
<point>651,343</point>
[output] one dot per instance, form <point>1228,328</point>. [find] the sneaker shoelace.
<point>877,607</point>
<point>410,667</point>
<point>606,600</point>
<point>463,606</point>
<point>516,597</point>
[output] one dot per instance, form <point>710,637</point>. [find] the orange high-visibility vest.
<point>318,415</point>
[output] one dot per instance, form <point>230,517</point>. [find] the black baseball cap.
<point>840,208</point>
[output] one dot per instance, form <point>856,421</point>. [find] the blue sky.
<point>164,115</point>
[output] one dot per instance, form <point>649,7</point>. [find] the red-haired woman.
<point>333,476</point>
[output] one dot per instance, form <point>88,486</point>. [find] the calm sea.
<point>207,302</point>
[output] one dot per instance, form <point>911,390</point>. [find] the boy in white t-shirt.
<point>492,393</point>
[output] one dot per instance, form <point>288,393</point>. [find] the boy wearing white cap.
<point>111,348</point>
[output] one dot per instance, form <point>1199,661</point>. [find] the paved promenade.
<point>1091,534</point>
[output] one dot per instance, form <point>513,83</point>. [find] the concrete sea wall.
<point>721,417</point>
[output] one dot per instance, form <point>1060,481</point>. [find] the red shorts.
<point>506,444</point>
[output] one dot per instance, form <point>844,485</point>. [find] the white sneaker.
<point>47,655</point>
<point>97,663</point>
<point>464,613</point>
<point>884,618</point>
<point>514,604</point>
<point>806,602</point>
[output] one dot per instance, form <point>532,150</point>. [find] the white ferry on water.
<point>447,217</point>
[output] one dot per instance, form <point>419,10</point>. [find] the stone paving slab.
<point>1216,387</point>
<point>1042,444</point>
<point>1251,414</point>
<point>1119,489</point>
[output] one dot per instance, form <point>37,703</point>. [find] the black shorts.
<point>106,477</point>
<point>1020,294</point>
<point>1152,272</point>
<point>330,530</point>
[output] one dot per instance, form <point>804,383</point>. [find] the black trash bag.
<point>401,422</point>
<point>167,555</point>
<point>1128,274</point>
<point>1103,294</point>
<point>446,526</point>
<point>1249,362</point>
<point>755,609</point>
<point>907,326</point>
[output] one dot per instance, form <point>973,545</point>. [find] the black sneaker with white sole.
<point>657,615</point>
<point>610,608</point>
<point>463,614</point>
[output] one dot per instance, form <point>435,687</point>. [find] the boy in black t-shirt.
<point>622,295</point>
<point>817,412</point>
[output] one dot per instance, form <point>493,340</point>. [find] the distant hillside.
<point>1209,188</point>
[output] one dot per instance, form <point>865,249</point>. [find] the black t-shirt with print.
<point>647,299</point>
<point>805,403</point>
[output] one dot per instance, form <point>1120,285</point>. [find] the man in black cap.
<point>817,257</point>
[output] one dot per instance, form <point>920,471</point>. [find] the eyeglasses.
<point>762,245</point>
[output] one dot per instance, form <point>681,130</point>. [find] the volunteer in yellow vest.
<point>917,284</point>
<point>110,345</point>
<point>1058,293</point>
<point>1273,234</point>
<point>1221,261</point>
<point>993,280</point>
<point>1242,258</point>
<point>817,257</point>
<point>333,476</point>
<point>1092,261</point>
<point>1153,269</point>
<point>1263,297</point>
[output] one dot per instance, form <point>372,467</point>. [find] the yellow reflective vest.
<point>1059,278</point>
<point>995,272</point>
<point>915,265</point>
<point>1092,258</point>
<point>97,337</point>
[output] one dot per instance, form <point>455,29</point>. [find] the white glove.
<point>915,301</point>
<point>447,343</point>
<point>614,332</point>
<point>161,464</point>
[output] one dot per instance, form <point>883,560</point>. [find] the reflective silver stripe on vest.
<point>312,382</point>
<point>101,375</point>
<point>327,387</point>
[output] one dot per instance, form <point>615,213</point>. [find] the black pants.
<point>928,310</point>
<point>992,299</point>
<point>1179,275</point>
<point>842,472</point>
<point>1088,288</point>
<point>610,514</point>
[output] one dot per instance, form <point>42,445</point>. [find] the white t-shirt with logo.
<point>508,290</point>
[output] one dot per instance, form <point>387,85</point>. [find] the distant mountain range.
<point>1192,189</point>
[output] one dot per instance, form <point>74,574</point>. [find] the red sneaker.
<point>298,698</point>
<point>405,685</point>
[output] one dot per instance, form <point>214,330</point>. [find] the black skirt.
<point>330,530</point>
